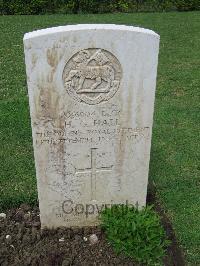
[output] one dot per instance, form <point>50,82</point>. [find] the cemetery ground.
<point>174,166</point>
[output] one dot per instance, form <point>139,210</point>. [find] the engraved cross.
<point>93,170</point>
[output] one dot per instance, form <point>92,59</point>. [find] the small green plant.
<point>136,233</point>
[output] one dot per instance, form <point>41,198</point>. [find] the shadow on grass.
<point>175,255</point>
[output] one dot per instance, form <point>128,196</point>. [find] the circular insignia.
<point>92,76</point>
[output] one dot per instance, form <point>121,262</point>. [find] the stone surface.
<point>8,238</point>
<point>93,239</point>
<point>91,94</point>
<point>2,215</point>
<point>61,239</point>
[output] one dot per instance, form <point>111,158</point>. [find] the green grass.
<point>135,233</point>
<point>174,163</point>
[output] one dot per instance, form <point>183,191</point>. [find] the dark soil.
<point>174,253</point>
<point>29,245</point>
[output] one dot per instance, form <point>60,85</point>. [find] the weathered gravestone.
<point>91,93</point>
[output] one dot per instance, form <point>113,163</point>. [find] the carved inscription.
<point>92,171</point>
<point>78,165</point>
<point>92,76</point>
<point>55,137</point>
<point>89,127</point>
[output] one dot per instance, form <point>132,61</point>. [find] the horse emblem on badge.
<point>92,76</point>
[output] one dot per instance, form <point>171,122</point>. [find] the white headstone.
<point>91,94</point>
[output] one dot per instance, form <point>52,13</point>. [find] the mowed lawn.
<point>174,166</point>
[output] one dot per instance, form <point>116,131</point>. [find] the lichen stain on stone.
<point>50,76</point>
<point>54,55</point>
<point>34,60</point>
<point>47,103</point>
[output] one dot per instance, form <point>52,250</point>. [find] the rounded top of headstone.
<point>79,27</point>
